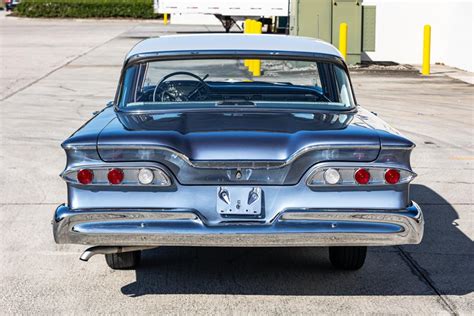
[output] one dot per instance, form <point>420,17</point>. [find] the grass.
<point>138,9</point>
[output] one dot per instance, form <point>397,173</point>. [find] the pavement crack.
<point>423,275</point>
<point>60,67</point>
<point>66,88</point>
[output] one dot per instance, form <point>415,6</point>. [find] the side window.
<point>344,87</point>
<point>128,86</point>
<point>328,84</point>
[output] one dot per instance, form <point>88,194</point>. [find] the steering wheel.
<point>177,95</point>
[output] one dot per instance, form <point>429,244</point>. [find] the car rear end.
<point>224,157</point>
<point>144,196</point>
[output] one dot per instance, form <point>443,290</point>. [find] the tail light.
<point>352,175</point>
<point>126,175</point>
<point>85,176</point>
<point>362,176</point>
<point>392,176</point>
<point>332,176</point>
<point>115,176</point>
<point>145,176</point>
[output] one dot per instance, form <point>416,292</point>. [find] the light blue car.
<point>236,141</point>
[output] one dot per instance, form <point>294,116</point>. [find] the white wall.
<point>399,31</point>
<point>194,19</point>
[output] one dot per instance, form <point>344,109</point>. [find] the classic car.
<point>224,140</point>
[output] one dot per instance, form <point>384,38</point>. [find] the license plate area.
<point>239,201</point>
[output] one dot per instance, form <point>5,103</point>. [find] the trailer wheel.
<point>226,21</point>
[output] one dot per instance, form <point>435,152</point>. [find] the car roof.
<point>235,42</point>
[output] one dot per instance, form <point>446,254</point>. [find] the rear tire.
<point>347,258</point>
<point>124,260</point>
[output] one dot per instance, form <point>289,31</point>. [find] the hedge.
<point>140,9</point>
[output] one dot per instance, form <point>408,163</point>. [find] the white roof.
<point>222,42</point>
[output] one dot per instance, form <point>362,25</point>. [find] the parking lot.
<point>55,73</point>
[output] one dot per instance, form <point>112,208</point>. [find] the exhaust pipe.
<point>105,250</point>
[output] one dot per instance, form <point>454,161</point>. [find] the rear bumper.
<point>183,227</point>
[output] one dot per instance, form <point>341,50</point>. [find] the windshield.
<point>236,81</point>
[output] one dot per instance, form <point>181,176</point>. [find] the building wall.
<point>399,31</point>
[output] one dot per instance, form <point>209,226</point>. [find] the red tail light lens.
<point>85,176</point>
<point>392,176</point>
<point>115,176</point>
<point>362,176</point>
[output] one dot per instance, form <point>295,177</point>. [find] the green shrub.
<point>140,9</point>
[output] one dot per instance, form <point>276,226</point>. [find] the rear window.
<point>236,80</point>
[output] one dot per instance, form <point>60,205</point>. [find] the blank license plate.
<point>239,200</point>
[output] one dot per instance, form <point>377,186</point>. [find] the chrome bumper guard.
<point>184,227</point>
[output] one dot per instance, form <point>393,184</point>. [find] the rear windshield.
<point>236,80</point>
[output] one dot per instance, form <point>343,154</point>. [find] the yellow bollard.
<point>425,68</point>
<point>165,19</point>
<point>257,64</point>
<point>250,62</point>
<point>247,31</point>
<point>343,39</point>
<point>247,26</point>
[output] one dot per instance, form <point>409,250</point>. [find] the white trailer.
<point>227,11</point>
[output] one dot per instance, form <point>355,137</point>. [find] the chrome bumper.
<point>184,227</point>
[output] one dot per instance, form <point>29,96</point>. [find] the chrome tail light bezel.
<point>347,179</point>
<point>160,177</point>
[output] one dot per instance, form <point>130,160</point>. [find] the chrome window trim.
<point>131,110</point>
<point>229,54</point>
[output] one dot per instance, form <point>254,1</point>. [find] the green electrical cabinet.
<point>311,18</point>
<point>368,28</point>
<point>350,12</point>
<point>322,18</point>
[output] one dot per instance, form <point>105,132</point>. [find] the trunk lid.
<point>238,136</point>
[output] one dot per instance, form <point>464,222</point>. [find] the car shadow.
<point>306,271</point>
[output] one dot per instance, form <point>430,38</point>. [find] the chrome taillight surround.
<point>130,173</point>
<point>377,176</point>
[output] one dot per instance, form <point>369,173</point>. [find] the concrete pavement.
<point>55,73</point>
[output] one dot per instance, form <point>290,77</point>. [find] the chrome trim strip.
<point>79,146</point>
<point>197,163</point>
<point>294,227</point>
<point>223,164</point>
<point>231,54</point>
<point>385,147</point>
<point>130,110</point>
